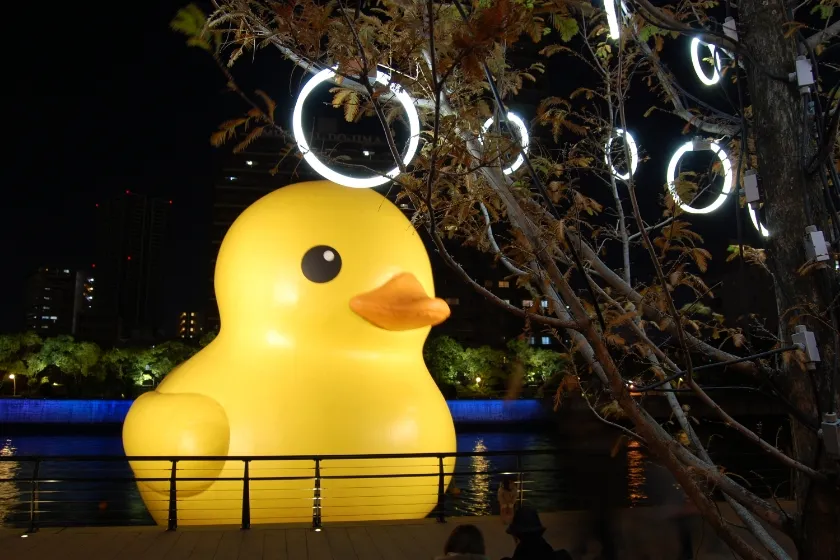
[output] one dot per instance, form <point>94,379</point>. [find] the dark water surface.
<point>569,477</point>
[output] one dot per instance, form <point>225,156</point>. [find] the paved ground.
<point>647,536</point>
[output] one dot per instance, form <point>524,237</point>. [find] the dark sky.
<point>98,102</point>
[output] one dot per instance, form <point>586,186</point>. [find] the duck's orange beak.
<point>400,304</point>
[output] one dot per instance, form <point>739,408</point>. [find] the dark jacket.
<point>533,548</point>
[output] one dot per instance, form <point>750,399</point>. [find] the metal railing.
<point>43,488</point>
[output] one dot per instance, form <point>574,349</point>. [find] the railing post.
<point>33,499</point>
<point>173,499</point>
<point>316,503</point>
<point>519,479</point>
<point>246,498</point>
<point>441,505</point>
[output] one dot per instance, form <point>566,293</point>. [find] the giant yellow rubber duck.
<point>326,297</point>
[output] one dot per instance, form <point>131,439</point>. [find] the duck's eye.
<point>321,264</point>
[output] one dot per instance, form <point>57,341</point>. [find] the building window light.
<point>531,340</point>
<point>545,340</point>
<point>544,304</point>
<point>504,284</point>
<point>506,301</point>
<point>192,314</point>
<point>66,271</point>
<point>527,303</point>
<point>47,298</point>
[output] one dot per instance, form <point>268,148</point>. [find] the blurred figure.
<point>527,531</point>
<point>683,516</point>
<point>464,543</point>
<point>507,499</point>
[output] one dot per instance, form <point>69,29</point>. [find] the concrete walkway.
<point>647,536</point>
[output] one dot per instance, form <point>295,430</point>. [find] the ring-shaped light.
<point>524,140</point>
<point>695,60</point>
<point>634,155</point>
<point>727,178</point>
<point>329,173</point>
<point>756,223</point>
<point>612,19</point>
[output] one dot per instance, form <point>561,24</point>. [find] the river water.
<point>570,476</point>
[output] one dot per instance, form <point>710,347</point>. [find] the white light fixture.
<point>524,140</point>
<point>695,60</point>
<point>634,154</point>
<point>727,177</point>
<point>757,224</point>
<point>249,163</point>
<point>327,172</point>
<point>612,19</point>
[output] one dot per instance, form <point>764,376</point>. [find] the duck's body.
<point>299,370</point>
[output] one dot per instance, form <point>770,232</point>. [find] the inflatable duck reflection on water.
<point>326,297</point>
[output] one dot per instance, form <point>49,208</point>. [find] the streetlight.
<point>14,384</point>
<point>478,380</point>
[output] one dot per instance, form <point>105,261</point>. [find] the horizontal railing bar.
<point>104,458</point>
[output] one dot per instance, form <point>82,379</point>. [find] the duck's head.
<point>320,266</point>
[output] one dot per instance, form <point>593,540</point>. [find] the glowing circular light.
<point>612,19</point>
<point>329,173</point>
<point>695,60</point>
<point>756,223</point>
<point>634,154</point>
<point>727,178</point>
<point>523,135</point>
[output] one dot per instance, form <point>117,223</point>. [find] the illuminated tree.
<point>15,351</point>
<point>72,358</point>
<point>554,232</point>
<point>444,358</point>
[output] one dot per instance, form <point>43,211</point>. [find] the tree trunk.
<point>793,201</point>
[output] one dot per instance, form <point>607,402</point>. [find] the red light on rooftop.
<point>170,202</point>
<point>93,265</point>
<point>127,191</point>
<point>129,257</point>
<point>97,205</point>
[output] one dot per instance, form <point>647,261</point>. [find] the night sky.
<point>98,102</point>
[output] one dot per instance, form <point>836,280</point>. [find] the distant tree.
<point>156,362</point>
<point>207,338</point>
<point>539,364</point>
<point>15,351</point>
<point>76,359</point>
<point>486,364</point>
<point>445,359</point>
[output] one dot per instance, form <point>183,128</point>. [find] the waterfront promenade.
<point>646,533</point>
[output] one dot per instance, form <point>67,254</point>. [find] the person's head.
<point>465,539</point>
<point>526,524</point>
<point>507,482</point>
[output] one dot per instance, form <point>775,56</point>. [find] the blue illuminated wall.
<point>34,411</point>
<point>497,411</point>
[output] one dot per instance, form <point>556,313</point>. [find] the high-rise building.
<point>130,242</point>
<point>57,300</point>
<point>189,325</point>
<point>50,301</point>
